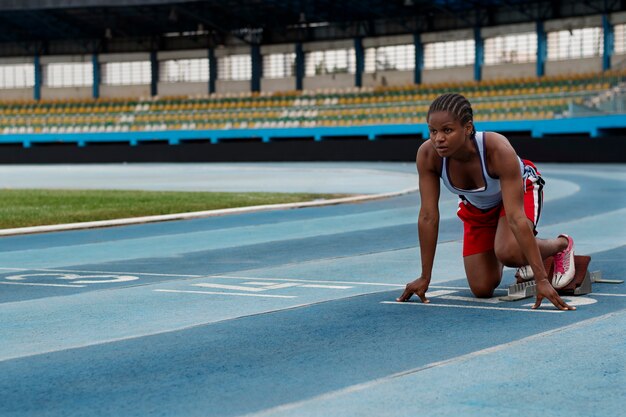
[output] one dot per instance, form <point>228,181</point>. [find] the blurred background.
<point>305,80</point>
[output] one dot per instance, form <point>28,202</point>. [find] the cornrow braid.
<point>455,104</point>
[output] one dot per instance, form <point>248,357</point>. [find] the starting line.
<point>448,296</point>
<point>226,293</point>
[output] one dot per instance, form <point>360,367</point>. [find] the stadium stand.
<point>504,99</point>
<point>312,76</point>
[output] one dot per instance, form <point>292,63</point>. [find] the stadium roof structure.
<point>127,25</point>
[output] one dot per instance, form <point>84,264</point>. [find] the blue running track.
<point>292,313</point>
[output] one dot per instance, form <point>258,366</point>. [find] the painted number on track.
<point>75,278</point>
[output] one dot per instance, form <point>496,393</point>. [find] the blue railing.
<point>594,126</point>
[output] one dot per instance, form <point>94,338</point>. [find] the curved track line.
<point>200,214</point>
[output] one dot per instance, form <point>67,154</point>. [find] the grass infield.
<point>22,208</point>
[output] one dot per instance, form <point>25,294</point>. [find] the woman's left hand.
<point>545,290</point>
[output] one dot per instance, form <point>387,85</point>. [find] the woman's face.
<point>447,135</point>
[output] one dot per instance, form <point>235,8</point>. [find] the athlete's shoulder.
<point>427,158</point>
<point>497,142</point>
<point>495,136</point>
<point>501,156</point>
<point>426,152</point>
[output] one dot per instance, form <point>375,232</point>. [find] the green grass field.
<point>21,208</point>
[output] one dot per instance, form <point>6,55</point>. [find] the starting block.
<point>580,285</point>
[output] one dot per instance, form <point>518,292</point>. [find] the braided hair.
<point>455,104</point>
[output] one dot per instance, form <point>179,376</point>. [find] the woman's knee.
<point>484,273</point>
<point>509,255</point>
<point>486,285</point>
<point>483,290</point>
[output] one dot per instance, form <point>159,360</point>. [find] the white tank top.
<point>485,197</point>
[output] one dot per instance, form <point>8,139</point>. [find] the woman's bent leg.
<point>509,252</point>
<point>484,273</point>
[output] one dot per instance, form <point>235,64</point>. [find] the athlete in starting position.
<point>500,197</point>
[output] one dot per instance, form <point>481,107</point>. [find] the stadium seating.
<point>507,99</point>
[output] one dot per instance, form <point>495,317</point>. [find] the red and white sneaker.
<point>564,265</point>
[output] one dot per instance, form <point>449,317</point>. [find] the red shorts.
<point>479,226</point>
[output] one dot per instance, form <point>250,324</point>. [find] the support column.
<point>96,76</point>
<point>360,61</point>
<point>479,57</point>
<point>542,49</point>
<point>608,42</point>
<point>299,66</point>
<point>154,79</point>
<point>257,67</point>
<point>38,79</point>
<point>212,70</point>
<point>419,58</point>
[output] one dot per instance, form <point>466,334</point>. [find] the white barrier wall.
<point>59,93</point>
<point>228,86</point>
<point>278,84</point>
<point>328,81</point>
<point>16,94</point>
<point>388,78</point>
<point>574,66</point>
<point>182,89</point>
<point>441,75</point>
<point>124,91</point>
<point>494,72</point>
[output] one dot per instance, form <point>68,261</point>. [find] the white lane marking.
<point>439,293</point>
<point>575,301</point>
<point>273,286</point>
<point>265,284</point>
<point>41,285</point>
<point>104,272</point>
<point>608,295</point>
<point>474,307</point>
<point>376,284</point>
<point>331,287</point>
<point>493,300</point>
<point>379,284</point>
<point>228,287</point>
<point>113,272</point>
<point>452,361</point>
<point>279,286</point>
<point>226,293</point>
<point>247,288</point>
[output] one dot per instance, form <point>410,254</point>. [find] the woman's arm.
<point>504,163</point>
<point>428,220</point>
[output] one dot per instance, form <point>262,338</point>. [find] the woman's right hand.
<point>417,287</point>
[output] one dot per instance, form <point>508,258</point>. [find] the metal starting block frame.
<point>580,285</point>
